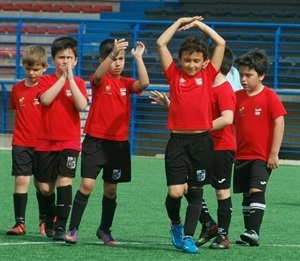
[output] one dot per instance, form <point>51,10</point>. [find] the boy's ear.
<point>261,77</point>
<point>45,67</point>
<point>205,63</point>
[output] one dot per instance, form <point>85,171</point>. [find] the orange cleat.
<point>17,230</point>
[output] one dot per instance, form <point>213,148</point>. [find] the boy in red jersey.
<point>223,136</point>
<point>63,96</point>
<point>106,145</point>
<point>257,151</point>
<point>222,132</point>
<point>189,152</point>
<point>27,119</point>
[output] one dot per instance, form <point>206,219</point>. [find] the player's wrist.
<point>112,56</point>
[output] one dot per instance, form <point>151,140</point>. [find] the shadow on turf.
<point>130,244</point>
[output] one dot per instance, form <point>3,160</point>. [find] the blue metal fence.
<point>148,135</point>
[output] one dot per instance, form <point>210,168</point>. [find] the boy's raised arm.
<point>163,51</point>
<point>219,42</point>
<point>143,78</point>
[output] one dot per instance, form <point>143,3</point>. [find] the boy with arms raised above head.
<point>189,152</point>
<point>106,145</point>
<point>63,97</point>
<point>259,122</point>
<point>27,119</point>
<point>222,133</point>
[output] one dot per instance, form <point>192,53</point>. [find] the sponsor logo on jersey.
<point>182,82</point>
<point>107,89</point>
<point>21,101</point>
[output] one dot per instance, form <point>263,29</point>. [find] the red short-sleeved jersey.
<point>191,98</point>
<point>223,99</point>
<point>254,121</point>
<point>109,113</point>
<point>27,114</point>
<point>61,119</point>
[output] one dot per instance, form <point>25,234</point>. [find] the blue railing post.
<point>276,57</point>
<point>18,49</point>
<point>80,49</point>
<point>4,110</point>
<point>133,97</point>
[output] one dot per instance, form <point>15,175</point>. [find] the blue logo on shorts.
<point>116,174</point>
<point>201,174</point>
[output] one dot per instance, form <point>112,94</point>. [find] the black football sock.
<point>108,212</point>
<point>79,204</point>
<point>224,215</point>
<point>20,203</point>
<point>257,210</point>
<point>173,209</point>
<point>205,217</point>
<point>246,211</point>
<point>63,205</point>
<point>41,205</point>
<point>193,211</point>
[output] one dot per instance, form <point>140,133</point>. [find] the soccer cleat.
<point>220,242</point>
<point>42,226</point>
<point>189,246</point>
<point>207,234</point>
<point>177,235</point>
<point>59,234</point>
<point>18,229</point>
<point>49,228</point>
<point>71,236</point>
<point>250,237</point>
<point>106,237</point>
<point>241,242</point>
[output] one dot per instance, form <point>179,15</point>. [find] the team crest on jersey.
<point>201,174</point>
<point>182,82</point>
<point>257,111</point>
<point>123,91</point>
<point>199,81</point>
<point>68,93</point>
<point>116,174</point>
<point>36,101</point>
<point>71,163</point>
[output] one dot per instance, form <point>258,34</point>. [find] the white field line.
<point>126,243</point>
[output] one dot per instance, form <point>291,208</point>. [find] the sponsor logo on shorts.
<point>201,174</point>
<point>221,180</point>
<point>71,162</point>
<point>116,174</point>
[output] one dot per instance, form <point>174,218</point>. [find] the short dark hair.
<point>227,61</point>
<point>193,44</point>
<point>254,59</point>
<point>63,43</point>
<point>106,47</point>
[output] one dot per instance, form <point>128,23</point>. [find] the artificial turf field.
<point>141,224</point>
